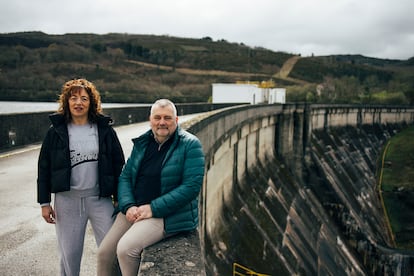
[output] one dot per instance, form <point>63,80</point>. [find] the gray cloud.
<point>375,28</point>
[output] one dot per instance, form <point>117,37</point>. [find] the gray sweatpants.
<point>73,210</point>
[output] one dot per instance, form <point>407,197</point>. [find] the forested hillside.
<point>141,68</point>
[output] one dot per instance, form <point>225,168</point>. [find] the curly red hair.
<point>73,87</point>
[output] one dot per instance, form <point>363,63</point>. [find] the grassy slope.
<point>398,187</point>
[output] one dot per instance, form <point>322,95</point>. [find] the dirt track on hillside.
<point>282,74</point>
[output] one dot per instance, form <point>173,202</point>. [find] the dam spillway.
<point>291,190</point>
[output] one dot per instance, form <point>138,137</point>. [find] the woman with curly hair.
<point>79,162</point>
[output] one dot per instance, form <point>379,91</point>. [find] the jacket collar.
<point>145,136</point>
<point>58,119</point>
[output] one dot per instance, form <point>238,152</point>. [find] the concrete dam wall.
<point>291,190</point>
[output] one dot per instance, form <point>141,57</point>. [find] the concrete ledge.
<point>177,255</point>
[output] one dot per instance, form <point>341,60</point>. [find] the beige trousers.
<point>124,243</point>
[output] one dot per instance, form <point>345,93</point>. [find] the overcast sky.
<point>374,28</point>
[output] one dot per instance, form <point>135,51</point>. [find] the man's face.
<point>163,122</point>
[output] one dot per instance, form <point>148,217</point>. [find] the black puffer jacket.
<point>54,166</point>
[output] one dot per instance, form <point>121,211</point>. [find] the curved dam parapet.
<point>291,190</point>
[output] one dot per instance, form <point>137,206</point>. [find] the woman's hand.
<point>48,214</point>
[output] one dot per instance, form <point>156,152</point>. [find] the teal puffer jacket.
<point>181,180</point>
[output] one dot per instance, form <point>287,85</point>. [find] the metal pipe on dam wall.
<point>290,190</point>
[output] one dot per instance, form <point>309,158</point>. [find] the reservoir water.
<point>10,107</point>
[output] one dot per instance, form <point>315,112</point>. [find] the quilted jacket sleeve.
<point>126,182</point>
<point>43,177</point>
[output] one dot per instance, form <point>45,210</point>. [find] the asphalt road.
<point>27,243</point>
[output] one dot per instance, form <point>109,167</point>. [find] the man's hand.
<point>144,212</point>
<point>48,214</point>
<point>135,213</point>
<point>132,214</point>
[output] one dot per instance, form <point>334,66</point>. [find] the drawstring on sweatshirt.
<point>82,209</point>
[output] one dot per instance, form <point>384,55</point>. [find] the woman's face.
<point>79,104</point>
